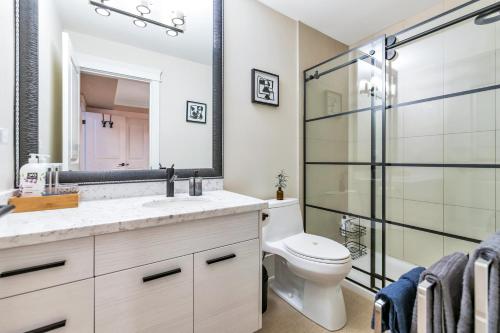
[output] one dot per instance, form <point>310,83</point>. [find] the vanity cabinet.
<point>151,298</point>
<point>193,276</point>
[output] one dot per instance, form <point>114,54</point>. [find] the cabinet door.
<point>152,298</point>
<point>226,289</point>
<point>66,309</point>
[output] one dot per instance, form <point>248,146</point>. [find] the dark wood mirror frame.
<point>26,103</point>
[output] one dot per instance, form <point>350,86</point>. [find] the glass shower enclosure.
<point>401,144</point>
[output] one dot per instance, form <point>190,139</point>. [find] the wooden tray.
<point>32,204</point>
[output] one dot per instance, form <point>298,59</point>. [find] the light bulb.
<point>143,9</point>
<point>140,23</point>
<point>102,11</point>
<point>172,33</point>
<point>178,20</point>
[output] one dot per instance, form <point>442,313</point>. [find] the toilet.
<point>308,269</point>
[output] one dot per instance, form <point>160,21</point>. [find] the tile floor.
<point>282,318</point>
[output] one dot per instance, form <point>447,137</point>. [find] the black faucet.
<point>170,177</point>
<point>5,209</point>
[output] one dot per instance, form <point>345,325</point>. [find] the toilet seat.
<point>317,249</point>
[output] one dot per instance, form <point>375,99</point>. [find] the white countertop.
<point>107,216</point>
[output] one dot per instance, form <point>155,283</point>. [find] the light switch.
<point>4,136</point>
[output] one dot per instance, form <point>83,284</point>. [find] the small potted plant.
<point>281,180</point>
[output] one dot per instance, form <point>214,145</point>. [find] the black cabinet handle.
<point>161,275</point>
<point>213,261</point>
<point>48,328</point>
<point>32,269</point>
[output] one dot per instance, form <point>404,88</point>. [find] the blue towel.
<point>399,298</point>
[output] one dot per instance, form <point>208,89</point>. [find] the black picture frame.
<point>26,104</point>
<point>272,80</point>
<point>189,119</point>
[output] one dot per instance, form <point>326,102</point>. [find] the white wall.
<point>7,93</point>
<point>49,73</point>
<point>259,140</point>
<point>188,145</point>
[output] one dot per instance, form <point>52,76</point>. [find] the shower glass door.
<point>402,144</point>
<point>443,143</point>
<point>343,152</point>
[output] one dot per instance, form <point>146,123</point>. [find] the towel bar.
<point>481,283</point>
<point>423,292</point>
<point>378,307</point>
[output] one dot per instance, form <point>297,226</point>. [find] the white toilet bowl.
<point>308,268</point>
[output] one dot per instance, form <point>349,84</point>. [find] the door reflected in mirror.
<point>115,82</point>
<point>115,124</point>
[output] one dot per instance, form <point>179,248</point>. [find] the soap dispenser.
<point>198,184</point>
<point>192,184</point>
<point>33,176</point>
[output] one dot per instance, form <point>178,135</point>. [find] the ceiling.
<point>349,21</point>
<point>110,93</point>
<point>195,44</point>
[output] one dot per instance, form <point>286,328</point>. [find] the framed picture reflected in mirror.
<point>196,112</point>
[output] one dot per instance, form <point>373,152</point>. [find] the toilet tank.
<point>284,220</point>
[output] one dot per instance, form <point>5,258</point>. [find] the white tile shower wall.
<point>125,190</point>
<point>359,191</point>
<point>459,201</point>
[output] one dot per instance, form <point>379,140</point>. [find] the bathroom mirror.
<point>116,89</point>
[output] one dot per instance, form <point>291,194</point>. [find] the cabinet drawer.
<point>151,298</point>
<point>29,268</point>
<point>118,251</point>
<point>68,308</point>
<point>226,289</point>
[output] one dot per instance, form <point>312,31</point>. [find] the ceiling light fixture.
<point>140,23</point>
<point>172,33</point>
<point>102,11</point>
<point>173,30</point>
<point>178,19</point>
<point>143,9</point>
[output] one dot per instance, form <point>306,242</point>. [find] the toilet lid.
<point>316,247</point>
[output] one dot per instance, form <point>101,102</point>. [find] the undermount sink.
<point>176,202</point>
